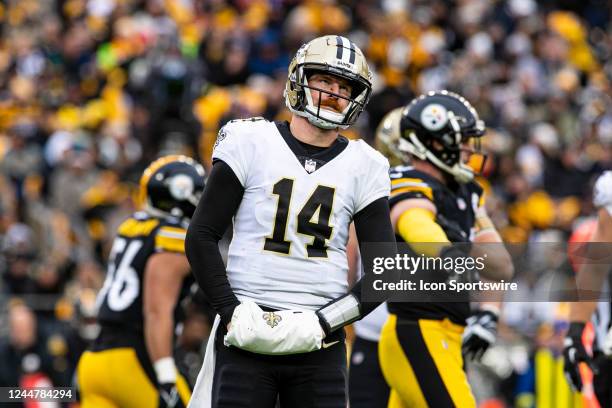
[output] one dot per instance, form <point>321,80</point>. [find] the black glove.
<point>479,334</point>
<point>169,396</point>
<point>573,354</point>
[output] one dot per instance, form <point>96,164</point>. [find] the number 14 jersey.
<point>290,231</point>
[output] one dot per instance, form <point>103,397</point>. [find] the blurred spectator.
<point>25,354</point>
<point>19,254</point>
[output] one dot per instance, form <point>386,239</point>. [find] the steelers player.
<point>590,279</point>
<point>435,200</point>
<point>291,189</point>
<point>130,364</point>
<point>367,386</point>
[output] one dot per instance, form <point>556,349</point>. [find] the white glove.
<point>283,332</point>
<point>607,344</point>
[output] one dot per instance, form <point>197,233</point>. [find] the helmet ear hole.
<point>172,186</point>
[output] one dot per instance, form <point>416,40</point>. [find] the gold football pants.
<point>422,363</point>
<point>114,378</point>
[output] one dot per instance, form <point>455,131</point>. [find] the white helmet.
<point>335,55</point>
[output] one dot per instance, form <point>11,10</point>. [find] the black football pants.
<point>367,385</point>
<point>310,380</point>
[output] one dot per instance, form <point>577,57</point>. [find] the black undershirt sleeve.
<point>373,224</point>
<point>213,215</point>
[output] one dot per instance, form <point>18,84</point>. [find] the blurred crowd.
<point>92,90</point>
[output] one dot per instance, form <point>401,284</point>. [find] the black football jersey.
<point>120,300</point>
<point>456,213</point>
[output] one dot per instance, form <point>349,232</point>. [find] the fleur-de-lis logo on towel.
<point>272,319</point>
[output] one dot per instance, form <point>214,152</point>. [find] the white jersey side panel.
<point>369,327</point>
<point>275,180</point>
<point>602,192</point>
<point>602,198</point>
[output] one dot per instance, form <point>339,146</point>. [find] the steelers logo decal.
<point>181,186</point>
<point>434,117</point>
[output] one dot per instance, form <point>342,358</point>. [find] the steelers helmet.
<point>387,138</point>
<point>334,55</point>
<point>172,186</point>
<point>436,127</point>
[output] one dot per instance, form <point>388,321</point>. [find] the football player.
<point>367,386</point>
<point>436,200</point>
<point>292,190</point>
<point>591,279</point>
<point>130,363</point>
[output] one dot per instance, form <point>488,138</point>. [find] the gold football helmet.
<point>387,138</point>
<point>335,55</point>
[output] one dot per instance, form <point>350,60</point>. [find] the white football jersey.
<point>370,326</point>
<point>602,198</point>
<point>288,249</point>
<point>602,192</point>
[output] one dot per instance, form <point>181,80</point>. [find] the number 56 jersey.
<point>120,300</point>
<point>290,231</point>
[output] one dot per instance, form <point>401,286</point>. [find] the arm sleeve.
<point>372,224</point>
<point>212,217</point>
<point>418,227</point>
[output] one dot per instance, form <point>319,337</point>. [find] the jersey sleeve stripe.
<point>172,232</point>
<point>410,184</point>
<point>407,180</point>
<point>426,191</point>
<point>169,244</point>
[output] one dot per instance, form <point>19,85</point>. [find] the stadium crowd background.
<point>92,90</point>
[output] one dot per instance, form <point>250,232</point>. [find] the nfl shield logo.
<point>310,165</point>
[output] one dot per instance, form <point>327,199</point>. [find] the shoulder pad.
<point>370,152</point>
<point>400,171</point>
<point>248,120</point>
<point>409,183</point>
<point>240,127</point>
<point>138,226</point>
<point>244,123</point>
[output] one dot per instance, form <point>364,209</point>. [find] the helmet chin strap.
<point>459,171</point>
